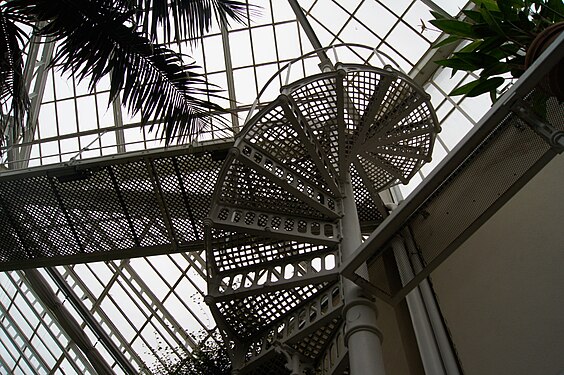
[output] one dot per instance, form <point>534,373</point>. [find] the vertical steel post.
<point>362,336</point>
<point>445,348</point>
<point>430,356</point>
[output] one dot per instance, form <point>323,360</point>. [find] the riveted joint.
<point>209,300</point>
<point>284,98</point>
<point>235,151</point>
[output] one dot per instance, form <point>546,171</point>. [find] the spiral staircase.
<point>273,236</point>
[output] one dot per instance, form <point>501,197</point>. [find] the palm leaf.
<point>188,19</point>
<point>97,38</point>
<point>14,100</point>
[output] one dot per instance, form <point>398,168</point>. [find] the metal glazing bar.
<point>173,290</point>
<point>88,318</point>
<point>26,296</point>
<point>36,97</point>
<point>8,318</point>
<point>118,123</point>
<point>155,301</point>
<point>67,321</point>
<point>86,315</point>
<point>96,309</point>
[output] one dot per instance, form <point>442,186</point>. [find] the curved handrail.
<point>350,46</point>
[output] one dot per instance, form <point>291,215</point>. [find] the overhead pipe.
<point>428,348</point>
<point>447,353</point>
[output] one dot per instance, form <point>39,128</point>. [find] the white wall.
<point>502,291</point>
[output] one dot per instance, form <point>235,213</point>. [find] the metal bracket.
<point>552,136</point>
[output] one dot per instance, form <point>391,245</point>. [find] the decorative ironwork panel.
<point>284,181</point>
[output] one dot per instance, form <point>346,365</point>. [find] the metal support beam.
<point>554,137</point>
<point>36,96</point>
<point>448,354</point>
<point>297,363</point>
<point>102,335</point>
<point>67,321</point>
<point>303,21</point>
<point>118,123</point>
<point>230,80</point>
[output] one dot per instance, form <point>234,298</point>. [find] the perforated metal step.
<point>110,208</point>
<point>274,231</point>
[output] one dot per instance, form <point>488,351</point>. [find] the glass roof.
<point>153,307</point>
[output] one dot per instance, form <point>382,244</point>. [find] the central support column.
<point>362,336</point>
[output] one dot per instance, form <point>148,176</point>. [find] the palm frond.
<point>188,19</point>
<point>97,38</point>
<point>14,100</point>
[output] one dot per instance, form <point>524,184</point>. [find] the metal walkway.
<point>155,202</point>
<point>138,204</point>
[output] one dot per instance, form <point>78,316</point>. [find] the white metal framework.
<point>143,305</point>
<point>285,213</point>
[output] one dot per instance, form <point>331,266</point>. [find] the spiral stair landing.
<point>273,236</point>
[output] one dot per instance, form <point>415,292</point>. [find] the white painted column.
<point>362,336</point>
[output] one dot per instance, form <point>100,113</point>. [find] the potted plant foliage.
<point>504,38</point>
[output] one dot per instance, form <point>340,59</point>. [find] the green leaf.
<point>454,27</point>
<point>471,46</point>
<point>478,87</point>
<point>496,69</point>
<point>491,44</point>
<point>493,20</point>
<point>554,10</point>
<point>509,8</point>
<point>457,64</point>
<point>482,31</point>
<point>489,4</point>
<point>493,96</point>
<point>477,59</point>
<point>438,15</point>
<point>474,15</point>
<point>13,94</point>
<point>187,19</point>
<point>448,40</point>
